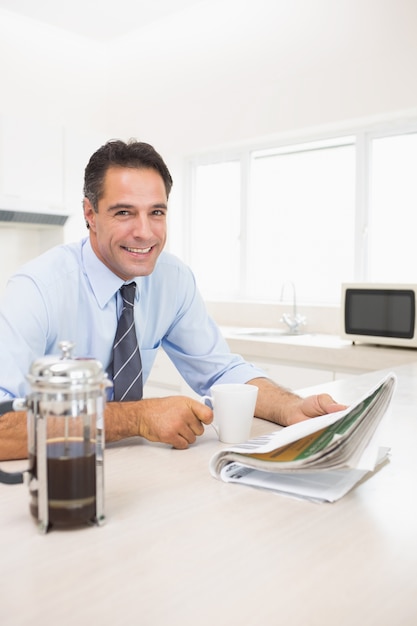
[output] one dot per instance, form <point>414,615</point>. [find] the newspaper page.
<point>321,458</point>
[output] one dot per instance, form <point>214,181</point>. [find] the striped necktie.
<point>126,366</point>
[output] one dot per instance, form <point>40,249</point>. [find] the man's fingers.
<point>188,436</point>
<point>202,412</point>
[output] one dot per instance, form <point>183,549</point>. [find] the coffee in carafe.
<point>72,486</point>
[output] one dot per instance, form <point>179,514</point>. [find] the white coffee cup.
<point>234,407</point>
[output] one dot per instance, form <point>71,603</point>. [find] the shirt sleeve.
<point>23,332</point>
<point>197,348</point>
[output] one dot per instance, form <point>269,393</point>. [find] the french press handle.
<point>9,478</point>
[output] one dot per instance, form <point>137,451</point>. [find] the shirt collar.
<point>104,283</point>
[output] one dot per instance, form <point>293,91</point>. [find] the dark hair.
<point>117,153</point>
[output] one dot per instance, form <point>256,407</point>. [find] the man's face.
<point>128,232</point>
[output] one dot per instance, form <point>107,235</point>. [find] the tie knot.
<point>128,293</point>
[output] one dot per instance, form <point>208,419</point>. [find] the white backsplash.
<point>319,319</point>
<point>20,243</point>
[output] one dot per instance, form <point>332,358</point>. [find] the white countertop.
<point>180,547</point>
<point>317,349</point>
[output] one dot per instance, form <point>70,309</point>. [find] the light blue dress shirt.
<point>69,294</point>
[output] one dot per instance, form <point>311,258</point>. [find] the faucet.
<point>294,321</point>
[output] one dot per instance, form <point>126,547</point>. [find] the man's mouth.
<point>138,250</point>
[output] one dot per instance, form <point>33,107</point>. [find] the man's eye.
<point>123,212</point>
<point>158,212</point>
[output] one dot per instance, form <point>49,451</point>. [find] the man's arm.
<point>284,407</point>
<point>176,420</point>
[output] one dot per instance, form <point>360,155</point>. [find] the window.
<point>392,249</point>
<point>316,214</point>
<point>299,222</point>
<point>215,228</point>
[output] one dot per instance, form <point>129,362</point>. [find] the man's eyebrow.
<point>119,205</point>
<point>122,205</point>
<point>160,205</point>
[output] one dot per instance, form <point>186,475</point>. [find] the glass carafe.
<point>66,440</point>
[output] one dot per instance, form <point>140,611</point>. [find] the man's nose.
<point>142,227</point>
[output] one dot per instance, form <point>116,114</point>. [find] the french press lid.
<point>66,372</point>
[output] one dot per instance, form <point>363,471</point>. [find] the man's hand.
<point>176,420</point>
<point>284,407</point>
<point>312,406</point>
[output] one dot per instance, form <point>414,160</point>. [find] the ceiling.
<point>99,20</point>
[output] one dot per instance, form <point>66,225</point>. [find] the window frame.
<point>363,135</point>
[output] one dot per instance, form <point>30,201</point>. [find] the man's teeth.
<point>139,250</point>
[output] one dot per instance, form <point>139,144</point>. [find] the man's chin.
<point>140,269</point>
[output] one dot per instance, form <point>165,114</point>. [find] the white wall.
<point>231,70</point>
<point>223,71</point>
<point>48,81</point>
<point>49,75</point>
<point>239,69</point>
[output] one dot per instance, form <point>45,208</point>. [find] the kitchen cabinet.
<point>296,363</point>
<point>294,376</point>
<point>31,166</point>
<point>165,380</point>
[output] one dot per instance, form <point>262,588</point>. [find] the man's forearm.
<point>274,402</point>
<point>120,423</point>
<point>121,420</point>
<point>13,436</point>
<point>177,421</point>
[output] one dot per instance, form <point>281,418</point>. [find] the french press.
<point>65,440</point>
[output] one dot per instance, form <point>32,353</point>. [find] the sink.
<point>265,332</point>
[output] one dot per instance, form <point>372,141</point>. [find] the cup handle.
<point>210,399</point>
<point>203,399</point>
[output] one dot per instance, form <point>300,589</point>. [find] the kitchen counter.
<point>293,361</point>
<point>316,350</point>
<point>179,547</point>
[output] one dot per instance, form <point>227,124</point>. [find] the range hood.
<point>11,216</point>
<point>30,210</point>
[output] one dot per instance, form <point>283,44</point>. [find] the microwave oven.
<point>382,314</point>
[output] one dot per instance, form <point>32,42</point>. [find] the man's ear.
<point>89,214</point>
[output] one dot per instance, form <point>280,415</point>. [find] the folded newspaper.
<point>320,459</point>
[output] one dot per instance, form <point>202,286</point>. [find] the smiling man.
<point>72,292</point>
<point>127,223</point>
